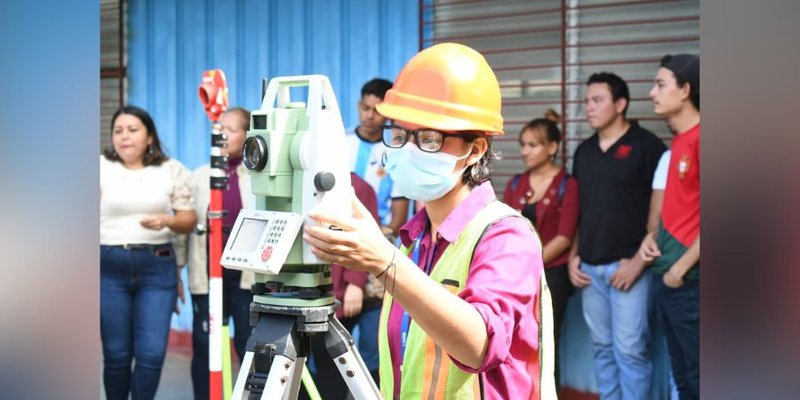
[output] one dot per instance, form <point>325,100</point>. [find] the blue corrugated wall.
<point>171,43</point>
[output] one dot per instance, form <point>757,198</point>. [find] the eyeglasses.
<point>428,140</point>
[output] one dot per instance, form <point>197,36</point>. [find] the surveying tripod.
<point>293,155</point>
<point>281,342</point>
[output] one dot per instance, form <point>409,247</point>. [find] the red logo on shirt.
<point>623,151</point>
<point>683,166</point>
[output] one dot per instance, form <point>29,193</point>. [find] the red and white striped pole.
<point>214,96</point>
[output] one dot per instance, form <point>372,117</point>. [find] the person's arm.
<point>567,223</point>
<point>355,281</point>
<point>573,251</point>
<point>578,278</point>
<point>183,221</point>
<point>450,321</point>
<point>628,272</point>
<point>648,250</point>
<point>630,269</point>
<point>674,276</point>
<point>182,199</point>
<point>399,214</point>
<point>180,244</point>
<point>353,298</point>
<point>657,196</point>
<point>656,202</point>
<point>555,247</point>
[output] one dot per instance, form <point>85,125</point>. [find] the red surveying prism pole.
<point>214,96</point>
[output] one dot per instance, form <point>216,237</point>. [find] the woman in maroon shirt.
<point>548,197</point>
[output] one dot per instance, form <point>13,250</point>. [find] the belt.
<point>135,246</point>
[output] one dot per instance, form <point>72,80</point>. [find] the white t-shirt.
<point>366,162</point>
<point>127,196</point>
<point>660,176</point>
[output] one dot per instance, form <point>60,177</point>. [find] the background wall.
<point>171,43</point>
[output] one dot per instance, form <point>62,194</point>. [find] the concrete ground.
<point>176,380</point>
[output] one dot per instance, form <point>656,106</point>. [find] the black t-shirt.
<point>615,189</point>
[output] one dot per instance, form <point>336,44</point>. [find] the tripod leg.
<point>340,347</point>
<point>241,378</point>
<point>278,384</point>
<point>269,360</point>
<point>294,376</point>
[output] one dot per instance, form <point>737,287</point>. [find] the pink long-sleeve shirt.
<point>502,285</point>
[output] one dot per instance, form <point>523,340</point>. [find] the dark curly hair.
<point>479,172</point>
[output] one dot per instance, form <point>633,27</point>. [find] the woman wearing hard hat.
<point>466,312</point>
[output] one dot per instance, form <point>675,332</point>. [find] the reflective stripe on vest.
<point>427,371</point>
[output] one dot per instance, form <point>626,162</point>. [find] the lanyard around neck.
<point>405,322</point>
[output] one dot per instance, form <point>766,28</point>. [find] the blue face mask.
<point>422,176</point>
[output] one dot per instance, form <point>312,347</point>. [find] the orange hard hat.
<point>449,87</point>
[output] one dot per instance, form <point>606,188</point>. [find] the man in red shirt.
<point>675,248</point>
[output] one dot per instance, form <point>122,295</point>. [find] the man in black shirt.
<point>614,169</point>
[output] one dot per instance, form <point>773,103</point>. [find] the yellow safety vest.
<point>427,372</point>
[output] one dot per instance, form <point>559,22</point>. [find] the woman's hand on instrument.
<point>354,242</point>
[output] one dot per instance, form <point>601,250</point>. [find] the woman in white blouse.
<point>145,198</point>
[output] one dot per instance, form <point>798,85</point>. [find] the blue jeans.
<point>679,312</point>
<point>619,326</point>
<point>138,289</point>
<point>368,339</point>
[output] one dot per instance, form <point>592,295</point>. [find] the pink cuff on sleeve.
<point>499,342</point>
